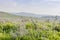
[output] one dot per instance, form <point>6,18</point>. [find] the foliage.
<point>44,31</point>
<point>6,31</point>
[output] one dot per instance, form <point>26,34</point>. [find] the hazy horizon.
<point>49,7</point>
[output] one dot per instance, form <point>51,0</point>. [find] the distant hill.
<point>26,14</point>
<point>7,15</point>
<point>12,15</point>
<point>36,15</point>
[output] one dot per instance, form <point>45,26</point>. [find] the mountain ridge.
<point>28,15</point>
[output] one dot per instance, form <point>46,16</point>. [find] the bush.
<point>6,31</point>
<point>29,26</point>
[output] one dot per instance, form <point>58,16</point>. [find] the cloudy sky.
<point>49,7</point>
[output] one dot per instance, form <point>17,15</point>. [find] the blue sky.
<point>50,7</point>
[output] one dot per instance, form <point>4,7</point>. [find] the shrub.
<point>29,26</point>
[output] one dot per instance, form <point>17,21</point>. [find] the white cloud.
<point>12,6</point>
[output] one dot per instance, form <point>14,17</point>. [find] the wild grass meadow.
<point>29,30</point>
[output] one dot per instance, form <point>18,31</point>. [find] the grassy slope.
<point>7,15</point>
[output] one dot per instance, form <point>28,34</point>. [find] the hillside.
<point>21,27</point>
<point>26,14</point>
<point>6,15</point>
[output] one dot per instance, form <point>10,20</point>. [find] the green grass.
<point>11,30</point>
<point>43,32</point>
